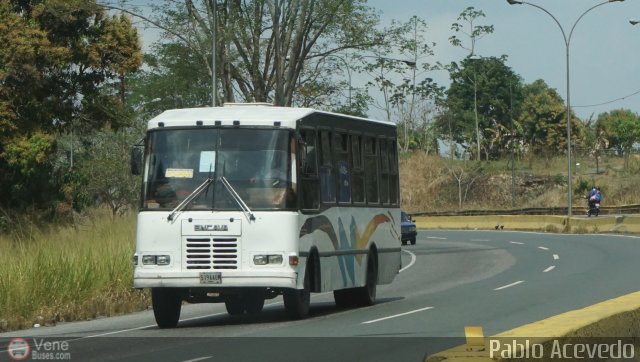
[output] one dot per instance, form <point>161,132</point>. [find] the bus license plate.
<point>210,278</point>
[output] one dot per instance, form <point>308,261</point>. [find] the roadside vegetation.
<point>433,183</point>
<point>67,273</point>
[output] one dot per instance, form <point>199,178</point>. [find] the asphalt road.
<point>495,279</point>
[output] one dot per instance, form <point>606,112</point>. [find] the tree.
<point>471,30</point>
<point>405,52</point>
<point>109,178</point>
<point>475,32</point>
<point>264,46</point>
<point>623,130</point>
<point>465,176</point>
<point>543,118</point>
<point>596,140</point>
<point>118,50</point>
<point>56,60</point>
<point>172,78</point>
<point>491,87</point>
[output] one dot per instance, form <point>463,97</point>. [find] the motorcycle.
<point>593,208</point>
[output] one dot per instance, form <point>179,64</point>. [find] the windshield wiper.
<point>245,209</point>
<point>195,193</point>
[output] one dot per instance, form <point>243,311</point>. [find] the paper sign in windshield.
<point>179,172</point>
<point>207,161</point>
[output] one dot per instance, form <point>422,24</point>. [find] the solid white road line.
<point>556,256</point>
<point>397,315</point>
<point>509,285</point>
<point>516,242</point>
<point>549,269</point>
<point>149,326</point>
<point>542,248</point>
<point>413,261</point>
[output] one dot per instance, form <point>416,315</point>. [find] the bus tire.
<point>234,304</point>
<point>366,295</point>
<point>167,303</point>
<point>253,301</point>
<point>413,241</point>
<point>296,301</point>
<point>344,298</point>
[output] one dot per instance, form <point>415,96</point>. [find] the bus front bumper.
<point>154,279</point>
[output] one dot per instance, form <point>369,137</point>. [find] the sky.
<point>604,46</point>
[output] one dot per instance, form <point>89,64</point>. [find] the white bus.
<point>243,203</point>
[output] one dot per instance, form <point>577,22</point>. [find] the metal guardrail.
<point>604,210</point>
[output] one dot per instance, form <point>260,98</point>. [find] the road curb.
<point>618,317</point>
<point>549,223</point>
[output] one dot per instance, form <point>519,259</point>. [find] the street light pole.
<point>214,81</point>
<point>346,64</point>
<point>475,103</point>
<point>567,42</point>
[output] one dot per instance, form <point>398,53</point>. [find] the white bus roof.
<point>247,114</point>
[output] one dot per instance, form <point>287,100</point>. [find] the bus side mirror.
<point>136,160</point>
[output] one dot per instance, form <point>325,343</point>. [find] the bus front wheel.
<point>254,301</point>
<point>234,305</point>
<point>296,301</point>
<point>167,303</point>
<point>361,296</point>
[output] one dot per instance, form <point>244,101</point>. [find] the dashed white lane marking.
<point>516,242</point>
<point>436,237</point>
<point>542,248</point>
<point>397,315</point>
<point>509,285</point>
<point>413,261</point>
<point>556,256</point>
<point>549,269</point>
<point>198,359</point>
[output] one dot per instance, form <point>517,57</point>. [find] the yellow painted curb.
<point>549,223</point>
<point>619,317</point>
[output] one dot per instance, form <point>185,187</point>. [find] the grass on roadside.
<point>71,273</point>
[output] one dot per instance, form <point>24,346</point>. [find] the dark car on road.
<point>408,229</point>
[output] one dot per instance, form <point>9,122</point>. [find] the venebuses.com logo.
<point>18,349</point>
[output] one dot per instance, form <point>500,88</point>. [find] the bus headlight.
<point>275,259</point>
<point>148,260</point>
<point>135,259</point>
<point>163,259</point>
<point>264,259</point>
<point>156,259</point>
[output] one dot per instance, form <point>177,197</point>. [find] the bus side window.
<point>340,146</point>
<point>308,183</point>
<point>371,171</point>
<point>308,163</point>
<point>327,174</point>
<point>393,172</point>
<point>384,171</point>
<point>357,169</point>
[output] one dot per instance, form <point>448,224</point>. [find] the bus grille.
<point>211,253</point>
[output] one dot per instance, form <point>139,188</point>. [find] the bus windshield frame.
<point>258,162</point>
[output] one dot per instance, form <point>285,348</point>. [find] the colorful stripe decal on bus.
<point>354,240</point>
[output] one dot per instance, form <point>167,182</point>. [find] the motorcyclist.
<point>594,197</point>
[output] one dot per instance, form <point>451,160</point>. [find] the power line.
<point>609,102</point>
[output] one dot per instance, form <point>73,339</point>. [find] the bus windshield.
<point>258,163</point>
